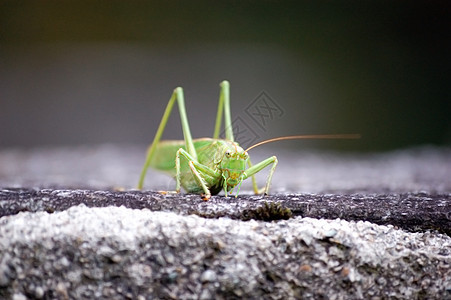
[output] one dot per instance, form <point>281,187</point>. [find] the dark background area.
<point>94,72</point>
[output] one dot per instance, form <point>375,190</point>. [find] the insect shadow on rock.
<point>208,165</point>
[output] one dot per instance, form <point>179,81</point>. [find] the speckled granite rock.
<point>116,253</point>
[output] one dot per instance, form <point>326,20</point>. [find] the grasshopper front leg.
<point>251,171</point>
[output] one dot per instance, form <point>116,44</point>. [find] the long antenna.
<point>313,136</point>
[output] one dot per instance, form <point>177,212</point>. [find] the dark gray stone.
<point>410,211</point>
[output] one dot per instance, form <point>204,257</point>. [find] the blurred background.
<point>96,72</point>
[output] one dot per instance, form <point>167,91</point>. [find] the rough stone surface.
<point>410,211</point>
<point>116,253</point>
<point>66,232</point>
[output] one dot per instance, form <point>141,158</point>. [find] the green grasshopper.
<point>208,165</point>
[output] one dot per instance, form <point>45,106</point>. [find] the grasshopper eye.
<point>228,154</point>
<point>244,155</point>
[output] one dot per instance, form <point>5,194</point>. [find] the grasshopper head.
<point>233,165</point>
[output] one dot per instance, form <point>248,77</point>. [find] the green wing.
<point>164,156</point>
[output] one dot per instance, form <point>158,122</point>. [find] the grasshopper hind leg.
<point>177,95</point>
<point>224,107</point>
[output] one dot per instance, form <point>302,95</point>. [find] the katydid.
<point>208,165</point>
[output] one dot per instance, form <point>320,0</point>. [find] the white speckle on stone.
<point>64,193</point>
<point>39,292</point>
<point>208,276</point>
<point>19,296</point>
